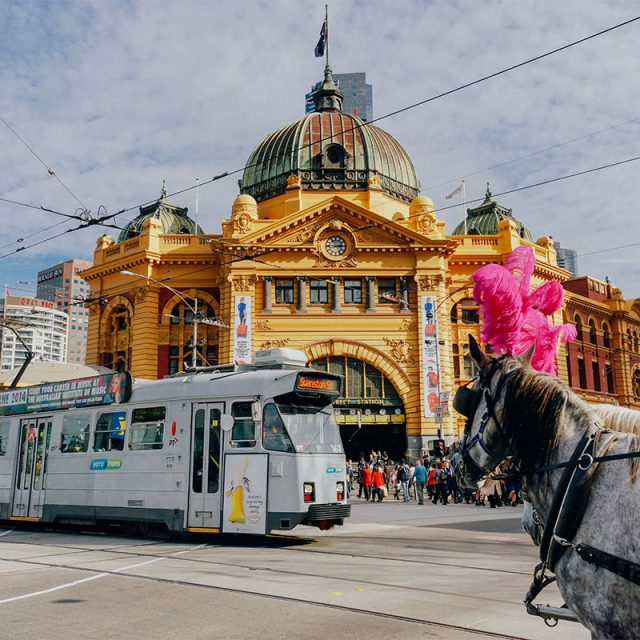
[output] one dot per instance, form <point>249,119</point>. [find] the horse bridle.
<point>466,402</point>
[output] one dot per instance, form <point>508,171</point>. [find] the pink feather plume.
<point>512,317</point>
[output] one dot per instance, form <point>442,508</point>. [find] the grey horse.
<point>538,421</point>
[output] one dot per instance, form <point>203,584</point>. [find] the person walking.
<point>367,481</point>
<point>420,478</point>
<point>403,479</point>
<point>431,481</point>
<point>377,480</point>
<point>441,484</point>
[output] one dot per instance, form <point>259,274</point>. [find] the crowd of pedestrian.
<point>378,477</point>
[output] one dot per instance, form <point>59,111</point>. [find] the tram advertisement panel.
<point>106,389</point>
<point>430,356</point>
<point>242,330</point>
<point>245,494</point>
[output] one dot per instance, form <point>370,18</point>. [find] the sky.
<point>116,97</point>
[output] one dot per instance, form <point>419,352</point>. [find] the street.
<point>393,571</point>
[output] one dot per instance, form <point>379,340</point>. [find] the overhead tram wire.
<point>533,153</point>
<point>403,109</point>
<point>225,174</point>
<point>50,171</point>
<point>31,235</point>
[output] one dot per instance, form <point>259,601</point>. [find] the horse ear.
<point>527,355</point>
<point>476,353</point>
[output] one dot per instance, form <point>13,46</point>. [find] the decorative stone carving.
<point>408,325</point>
<point>163,336</point>
<point>426,223</point>
<point>293,181</point>
<point>322,262</point>
<point>242,224</point>
<point>263,325</point>
<point>140,295</point>
<point>401,351</point>
<point>273,344</point>
<point>375,183</point>
<point>242,283</point>
<point>428,283</point>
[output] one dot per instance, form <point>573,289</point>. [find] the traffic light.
<point>439,448</point>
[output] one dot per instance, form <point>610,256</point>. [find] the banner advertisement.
<point>244,508</point>
<point>106,389</point>
<point>242,330</point>
<point>430,356</point>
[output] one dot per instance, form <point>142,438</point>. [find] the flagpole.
<point>326,21</point>
<point>464,207</point>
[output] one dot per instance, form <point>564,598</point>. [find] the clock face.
<point>335,246</point>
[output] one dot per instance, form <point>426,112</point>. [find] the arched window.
<point>456,361</point>
<point>361,380</point>
<point>629,340</point>
<point>118,338</point>
<point>636,343</point>
<point>469,313</point>
<point>578,322</point>
<point>606,336</point>
<point>470,366</point>
<point>181,337</point>
<point>454,314</point>
<point>593,338</point>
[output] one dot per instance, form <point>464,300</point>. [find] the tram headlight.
<point>340,490</point>
<point>309,491</point>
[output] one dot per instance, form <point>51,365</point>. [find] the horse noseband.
<point>466,401</point>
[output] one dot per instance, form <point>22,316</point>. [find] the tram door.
<point>28,499</point>
<point>204,489</point>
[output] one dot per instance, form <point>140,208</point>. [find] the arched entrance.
<point>371,412</point>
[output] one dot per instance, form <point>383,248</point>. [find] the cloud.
<point>118,96</point>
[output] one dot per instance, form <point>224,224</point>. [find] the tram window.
<point>274,433</point>
<point>110,430</point>
<point>243,433</point>
<point>147,428</point>
<point>4,435</point>
<point>75,433</point>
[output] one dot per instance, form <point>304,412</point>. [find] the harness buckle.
<point>563,542</point>
<point>588,461</point>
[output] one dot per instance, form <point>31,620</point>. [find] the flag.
<point>455,192</point>
<point>319,50</point>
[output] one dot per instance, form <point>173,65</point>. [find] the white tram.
<point>236,449</point>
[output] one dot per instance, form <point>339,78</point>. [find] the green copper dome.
<point>329,150</point>
<point>484,220</point>
<point>173,219</point>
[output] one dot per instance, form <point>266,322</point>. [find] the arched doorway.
<point>370,412</point>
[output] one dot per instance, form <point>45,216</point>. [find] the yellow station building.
<point>329,248</point>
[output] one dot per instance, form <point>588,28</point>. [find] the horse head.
<point>485,442</point>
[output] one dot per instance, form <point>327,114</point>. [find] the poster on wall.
<point>242,330</point>
<point>430,356</point>
<point>244,508</point>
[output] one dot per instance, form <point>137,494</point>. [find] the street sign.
<point>444,402</point>
<point>438,415</point>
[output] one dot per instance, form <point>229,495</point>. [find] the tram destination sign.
<point>81,392</point>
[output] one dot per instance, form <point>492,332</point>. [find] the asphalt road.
<point>393,571</point>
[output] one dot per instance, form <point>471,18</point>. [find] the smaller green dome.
<point>172,218</point>
<point>484,220</point>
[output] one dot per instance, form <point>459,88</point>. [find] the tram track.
<point>282,598</point>
<point>122,549</point>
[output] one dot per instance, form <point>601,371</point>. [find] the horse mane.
<point>618,418</point>
<point>532,407</point>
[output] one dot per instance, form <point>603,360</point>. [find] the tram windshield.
<point>310,423</point>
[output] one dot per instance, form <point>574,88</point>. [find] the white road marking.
<point>6,533</point>
<point>96,577</point>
